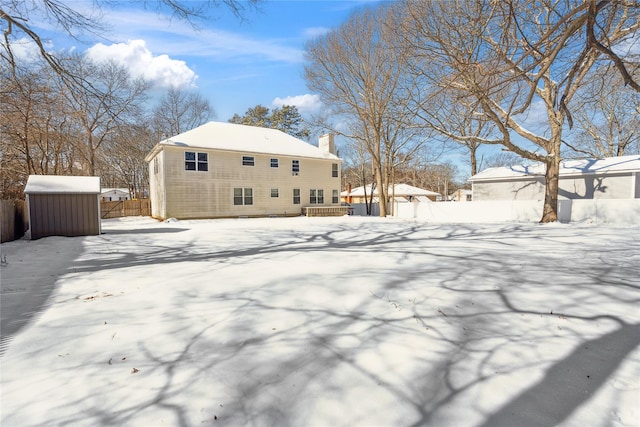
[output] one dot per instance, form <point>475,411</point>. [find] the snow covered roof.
<point>62,184</point>
<point>248,139</point>
<point>400,190</point>
<point>115,190</point>
<point>567,167</point>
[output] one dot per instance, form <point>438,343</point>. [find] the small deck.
<point>326,210</point>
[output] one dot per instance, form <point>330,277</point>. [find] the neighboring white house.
<point>115,194</point>
<point>608,178</point>
<point>229,170</point>
<point>401,193</point>
<point>461,195</point>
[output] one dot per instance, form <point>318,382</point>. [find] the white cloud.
<point>313,32</point>
<point>140,61</point>
<point>306,103</point>
<point>26,50</point>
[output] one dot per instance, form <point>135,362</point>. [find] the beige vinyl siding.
<point>200,194</point>
<point>157,185</point>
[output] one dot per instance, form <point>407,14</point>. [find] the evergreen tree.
<point>286,119</point>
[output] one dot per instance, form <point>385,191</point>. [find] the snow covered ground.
<point>329,322</point>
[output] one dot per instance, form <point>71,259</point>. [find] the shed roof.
<point>55,184</point>
<point>567,168</point>
<point>400,190</point>
<point>249,139</point>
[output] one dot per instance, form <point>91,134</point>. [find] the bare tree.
<point>360,72</point>
<point>358,171</point>
<point>37,134</point>
<point>121,163</point>
<point>456,116</point>
<point>17,17</point>
<point>501,159</point>
<point>607,124</point>
<point>425,172</point>
<point>511,57</point>
<point>79,18</point>
<point>97,114</point>
<point>179,111</point>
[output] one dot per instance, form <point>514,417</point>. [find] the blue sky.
<point>234,64</point>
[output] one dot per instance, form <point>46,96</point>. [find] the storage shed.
<point>63,205</point>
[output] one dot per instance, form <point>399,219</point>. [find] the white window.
<point>274,163</point>
<point>243,196</point>
<point>296,196</point>
<point>316,196</point>
<point>334,170</point>
<point>189,161</point>
<point>275,192</point>
<point>295,167</point>
<point>335,196</point>
<point>196,161</point>
<point>203,162</point>
<point>248,161</point>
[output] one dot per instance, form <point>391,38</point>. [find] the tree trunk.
<point>474,160</point>
<point>551,176</point>
<point>92,163</point>
<point>382,193</point>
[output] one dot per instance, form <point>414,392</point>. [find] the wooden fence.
<point>14,220</point>
<point>140,207</point>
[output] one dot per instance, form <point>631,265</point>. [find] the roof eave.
<point>154,152</point>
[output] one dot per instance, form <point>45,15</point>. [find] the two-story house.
<point>222,170</point>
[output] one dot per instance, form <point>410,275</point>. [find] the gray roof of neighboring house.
<point>246,139</point>
<point>567,168</point>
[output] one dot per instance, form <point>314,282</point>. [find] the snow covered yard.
<point>331,322</point>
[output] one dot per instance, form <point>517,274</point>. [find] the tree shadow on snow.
<point>453,296</point>
<point>569,382</point>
